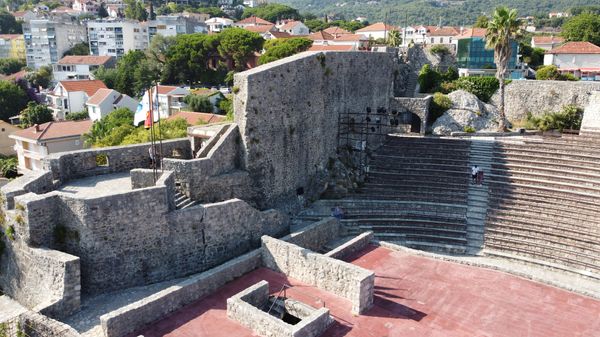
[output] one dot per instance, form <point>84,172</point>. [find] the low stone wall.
<point>139,314</point>
<point>343,279</point>
<point>591,115</point>
<point>355,245</point>
<point>44,280</point>
<point>141,178</point>
<point>34,182</point>
<point>216,176</point>
<point>418,106</point>
<point>538,97</point>
<point>82,163</point>
<point>316,235</point>
<point>34,324</point>
<point>245,308</point>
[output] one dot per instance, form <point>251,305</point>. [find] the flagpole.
<point>152,134</point>
<point>159,128</point>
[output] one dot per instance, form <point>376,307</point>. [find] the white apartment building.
<point>173,25</point>
<point>80,67</point>
<point>47,40</point>
<point>216,25</point>
<point>116,37</point>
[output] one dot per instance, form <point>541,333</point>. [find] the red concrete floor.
<point>414,296</point>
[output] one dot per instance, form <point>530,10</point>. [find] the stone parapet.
<point>357,244</point>
<point>316,235</point>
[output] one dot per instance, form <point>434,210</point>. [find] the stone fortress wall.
<point>287,112</point>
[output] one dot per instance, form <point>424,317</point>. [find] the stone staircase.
<point>481,153</point>
<point>182,201</point>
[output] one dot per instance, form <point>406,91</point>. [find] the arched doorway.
<point>415,123</point>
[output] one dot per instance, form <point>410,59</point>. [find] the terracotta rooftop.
<point>100,96</point>
<point>290,25</point>
<point>320,36</point>
<point>377,27</point>
<point>204,91</point>
<point>472,32</point>
<point>280,35</point>
<point>10,36</point>
<point>89,86</point>
<point>165,89</point>
<point>193,118</point>
<point>331,48</point>
<point>54,130</point>
<point>547,39</point>
<point>335,31</point>
<point>253,20</point>
<point>444,31</point>
<point>350,37</point>
<point>16,76</point>
<point>260,29</point>
<point>85,59</point>
<point>576,48</point>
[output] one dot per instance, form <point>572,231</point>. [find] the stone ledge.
<point>352,246</point>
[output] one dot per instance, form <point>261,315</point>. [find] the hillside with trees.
<point>430,12</point>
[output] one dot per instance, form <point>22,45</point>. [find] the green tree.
<point>551,73</point>
<point>78,116</point>
<point>106,75</point>
<point>316,25</point>
<point>156,53</point>
<point>79,49</point>
<point>237,45</point>
<point>151,15</point>
<point>12,100</point>
<point>36,114</point>
<point>583,27</point>
<point>11,66</point>
<point>40,78</point>
<point>8,24</point>
<point>429,79</point>
<point>102,12</point>
<point>134,9</point>
<point>503,27</point>
<point>272,12</point>
<point>276,49</point>
<point>198,103</point>
<point>226,107</point>
<point>187,59</point>
<point>100,130</point>
<point>8,169</point>
<point>394,39</point>
<point>482,22</point>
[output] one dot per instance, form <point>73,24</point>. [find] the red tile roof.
<point>280,35</point>
<point>472,32</point>
<point>547,39</point>
<point>335,31</point>
<point>85,59</point>
<point>89,86</point>
<point>331,48</point>
<point>53,130</point>
<point>260,29</point>
<point>16,76</point>
<point>377,27</point>
<point>576,48</point>
<point>351,37</point>
<point>165,89</point>
<point>320,36</point>
<point>193,118</point>
<point>253,20</point>
<point>290,25</point>
<point>100,96</point>
<point>10,36</point>
<point>444,31</point>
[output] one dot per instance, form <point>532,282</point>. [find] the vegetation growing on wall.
<point>568,118</point>
<point>439,104</point>
<point>550,72</point>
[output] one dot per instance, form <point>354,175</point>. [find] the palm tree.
<point>394,38</point>
<point>503,27</point>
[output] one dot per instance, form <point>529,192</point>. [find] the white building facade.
<point>46,40</point>
<point>116,37</point>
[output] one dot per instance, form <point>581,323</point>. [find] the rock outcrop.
<point>466,111</point>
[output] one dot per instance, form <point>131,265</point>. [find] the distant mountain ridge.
<point>429,12</point>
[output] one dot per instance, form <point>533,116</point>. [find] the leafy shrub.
<point>78,116</point>
<point>439,104</point>
<point>469,129</point>
<point>482,87</point>
<point>8,166</point>
<point>551,73</point>
<point>19,207</point>
<point>568,118</point>
<point>198,103</point>
<point>428,78</point>
<point>10,232</point>
<point>439,49</point>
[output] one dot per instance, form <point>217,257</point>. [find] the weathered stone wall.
<point>34,324</point>
<point>539,97</point>
<point>34,182</point>
<point>288,110</point>
<point>591,115</point>
<point>216,176</point>
<point>357,244</point>
<point>343,279</point>
<point>245,308</point>
<point>316,235</point>
<point>82,163</point>
<point>141,178</point>
<point>418,106</point>
<point>137,315</point>
<point>42,279</point>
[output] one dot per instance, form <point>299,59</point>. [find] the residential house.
<point>337,31</point>
<point>85,6</point>
<point>24,16</point>
<point>170,99</point>
<point>442,35</point>
<point>546,42</point>
<point>7,144</point>
<point>214,96</point>
<point>414,35</point>
<point>252,21</point>
<point>474,59</point>
<point>12,46</point>
<point>216,25</point>
<point>71,96</point>
<point>46,40</point>
<point>200,17</point>
<point>195,118</point>
<point>294,28</point>
<point>35,143</point>
<point>114,10</point>
<point>353,41</point>
<point>582,59</point>
<point>552,15</point>
<point>80,67</point>
<point>377,30</point>
<point>275,34</point>
<point>106,100</point>
<point>173,25</point>
<point>262,29</point>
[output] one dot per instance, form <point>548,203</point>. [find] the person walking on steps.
<point>474,173</point>
<point>480,177</point>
